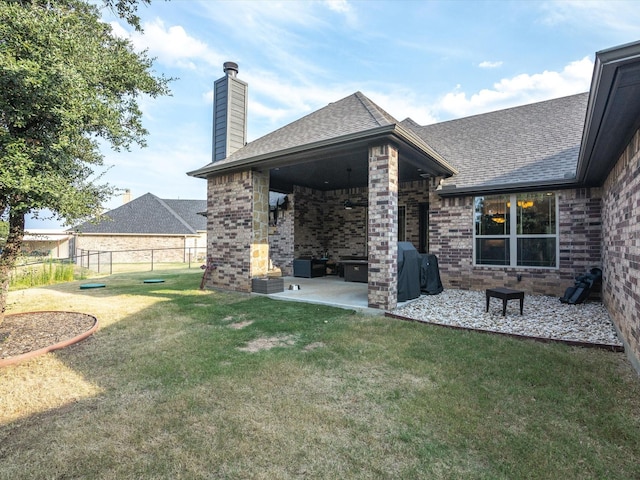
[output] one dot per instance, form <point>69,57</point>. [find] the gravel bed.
<point>544,316</point>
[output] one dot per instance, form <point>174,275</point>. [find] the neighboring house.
<point>528,197</point>
<point>47,243</point>
<point>173,229</point>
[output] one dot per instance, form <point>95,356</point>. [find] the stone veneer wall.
<point>137,248</point>
<point>383,227</point>
<point>451,240</point>
<point>237,226</point>
<point>259,265</point>
<point>621,247</point>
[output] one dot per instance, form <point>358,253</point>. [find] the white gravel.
<point>544,316</point>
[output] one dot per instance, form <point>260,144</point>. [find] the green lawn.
<point>180,383</point>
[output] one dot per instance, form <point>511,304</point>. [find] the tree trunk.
<point>9,255</point>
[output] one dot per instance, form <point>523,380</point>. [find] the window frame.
<point>513,236</point>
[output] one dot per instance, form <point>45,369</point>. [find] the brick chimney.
<point>229,113</point>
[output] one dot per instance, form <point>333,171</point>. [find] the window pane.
<point>492,215</point>
<point>536,213</point>
<point>537,252</point>
<point>492,251</point>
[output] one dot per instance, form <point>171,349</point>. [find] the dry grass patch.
<point>241,325</point>
<point>313,346</point>
<point>267,343</point>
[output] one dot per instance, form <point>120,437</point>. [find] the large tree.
<point>67,85</point>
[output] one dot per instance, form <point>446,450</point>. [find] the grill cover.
<point>408,272</point>
<point>430,282</point>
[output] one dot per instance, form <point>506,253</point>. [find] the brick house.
<point>172,228</point>
<point>528,197</point>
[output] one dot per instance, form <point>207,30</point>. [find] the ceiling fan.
<point>348,204</point>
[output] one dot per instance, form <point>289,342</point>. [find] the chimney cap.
<point>230,68</point>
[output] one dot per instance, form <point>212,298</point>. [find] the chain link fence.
<point>140,260</point>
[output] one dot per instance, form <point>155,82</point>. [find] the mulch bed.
<point>26,332</point>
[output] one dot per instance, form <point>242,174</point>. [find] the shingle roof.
<point>353,114</point>
<point>531,144</point>
<point>353,117</point>
<point>149,214</point>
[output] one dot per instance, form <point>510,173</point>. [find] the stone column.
<point>383,227</point>
<point>260,226</point>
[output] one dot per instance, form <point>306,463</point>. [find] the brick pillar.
<point>237,229</point>
<point>260,233</point>
<point>383,227</point>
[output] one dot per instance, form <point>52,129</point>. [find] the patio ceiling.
<point>325,167</point>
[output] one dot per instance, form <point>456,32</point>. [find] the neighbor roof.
<point>353,118</point>
<point>531,146</point>
<point>149,214</point>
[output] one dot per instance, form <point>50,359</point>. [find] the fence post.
<point>152,259</point>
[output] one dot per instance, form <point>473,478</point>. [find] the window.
<point>402,223</point>
<point>517,230</point>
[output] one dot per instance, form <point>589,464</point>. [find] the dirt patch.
<point>267,343</point>
<point>241,325</point>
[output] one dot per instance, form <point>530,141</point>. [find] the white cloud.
<point>521,89</point>
<point>487,64</point>
<point>344,8</point>
<point>608,15</point>
<point>171,45</point>
<point>340,6</point>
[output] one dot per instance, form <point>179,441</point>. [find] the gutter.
<point>452,191</point>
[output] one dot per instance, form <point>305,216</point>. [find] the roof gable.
<point>351,115</point>
<point>151,215</point>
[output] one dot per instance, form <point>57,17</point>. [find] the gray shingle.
<point>353,114</point>
<point>149,214</point>
<point>536,143</point>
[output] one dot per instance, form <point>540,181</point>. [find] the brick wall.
<point>137,248</point>
<point>411,195</point>
<point>451,240</point>
<point>309,231</point>
<point>621,252</point>
<point>346,230</point>
<point>229,225</point>
<point>281,237</point>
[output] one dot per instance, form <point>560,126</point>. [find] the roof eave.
<point>593,166</point>
<point>266,159</point>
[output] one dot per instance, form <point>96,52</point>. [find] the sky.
<point>428,60</point>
